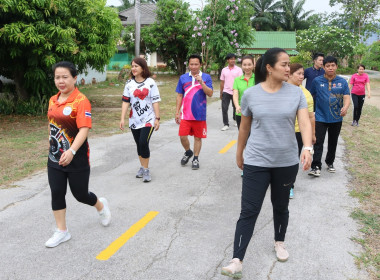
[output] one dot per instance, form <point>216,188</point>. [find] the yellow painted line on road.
<point>227,147</point>
<point>118,243</point>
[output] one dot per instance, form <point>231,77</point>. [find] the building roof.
<point>265,40</point>
<point>147,16</point>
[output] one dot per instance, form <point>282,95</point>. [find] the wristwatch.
<point>158,118</point>
<point>72,151</point>
<point>309,149</point>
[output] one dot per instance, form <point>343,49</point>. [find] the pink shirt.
<point>228,76</point>
<point>358,82</point>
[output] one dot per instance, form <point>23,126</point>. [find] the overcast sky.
<point>321,7</point>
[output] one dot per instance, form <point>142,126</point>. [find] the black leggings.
<point>358,101</point>
<point>78,182</point>
<point>300,146</point>
<point>142,137</point>
<point>238,121</point>
<point>255,184</point>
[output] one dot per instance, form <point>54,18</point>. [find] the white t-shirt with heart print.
<point>141,96</point>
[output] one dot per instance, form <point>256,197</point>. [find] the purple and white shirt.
<point>194,100</point>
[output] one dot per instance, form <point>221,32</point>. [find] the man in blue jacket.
<point>315,71</point>
<point>332,99</point>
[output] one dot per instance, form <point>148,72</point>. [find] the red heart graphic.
<point>141,94</point>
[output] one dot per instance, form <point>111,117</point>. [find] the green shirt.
<point>241,84</point>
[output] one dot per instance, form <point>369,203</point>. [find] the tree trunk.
<point>22,93</point>
<point>181,67</point>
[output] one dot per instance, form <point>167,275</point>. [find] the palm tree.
<point>293,15</point>
<point>265,13</point>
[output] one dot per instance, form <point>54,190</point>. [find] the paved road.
<point>191,237</point>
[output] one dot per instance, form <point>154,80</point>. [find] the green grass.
<point>362,151</point>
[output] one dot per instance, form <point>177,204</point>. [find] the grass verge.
<point>363,152</point>
<point>24,139</point>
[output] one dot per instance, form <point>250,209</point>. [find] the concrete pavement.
<point>191,237</point>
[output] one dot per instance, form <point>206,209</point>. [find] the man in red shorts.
<point>192,89</point>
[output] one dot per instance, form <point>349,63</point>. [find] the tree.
<point>36,34</point>
<point>221,28</point>
<point>169,36</point>
<point>328,40</point>
<point>372,57</point>
<point>293,15</point>
<point>265,13</point>
<point>360,14</point>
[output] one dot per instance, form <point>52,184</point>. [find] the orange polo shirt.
<point>65,119</point>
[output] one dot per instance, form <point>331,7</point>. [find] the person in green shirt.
<point>242,83</point>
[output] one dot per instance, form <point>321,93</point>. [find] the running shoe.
<point>353,123</point>
<point>281,253</point>
<point>291,195</point>
<point>233,269</point>
<point>224,128</point>
<point>316,172</point>
<point>146,176</point>
<point>105,213</point>
<point>58,237</point>
<point>330,168</point>
<point>195,164</point>
<point>185,159</point>
<point>357,124</point>
<point>140,173</point>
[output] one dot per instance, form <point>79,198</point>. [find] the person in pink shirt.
<point>227,77</point>
<point>357,87</point>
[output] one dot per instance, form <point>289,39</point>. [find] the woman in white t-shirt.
<point>141,93</point>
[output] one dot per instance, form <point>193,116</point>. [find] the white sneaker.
<point>105,213</point>
<point>281,252</point>
<point>233,269</point>
<point>58,237</point>
<point>224,128</point>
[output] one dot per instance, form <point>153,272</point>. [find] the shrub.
<point>116,66</point>
<point>304,58</point>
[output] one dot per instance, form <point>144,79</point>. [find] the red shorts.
<point>196,128</point>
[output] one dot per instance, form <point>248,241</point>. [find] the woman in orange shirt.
<point>69,117</point>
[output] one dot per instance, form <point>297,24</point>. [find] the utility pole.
<point>137,29</point>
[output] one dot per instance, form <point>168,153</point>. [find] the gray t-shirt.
<point>272,142</point>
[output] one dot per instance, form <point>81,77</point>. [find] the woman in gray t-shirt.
<point>266,136</point>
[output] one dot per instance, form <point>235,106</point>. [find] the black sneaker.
<point>195,165</point>
<point>185,159</point>
<point>330,168</point>
<point>316,172</point>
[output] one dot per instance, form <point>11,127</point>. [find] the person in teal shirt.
<point>243,82</point>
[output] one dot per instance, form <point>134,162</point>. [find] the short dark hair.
<point>316,55</point>
<point>142,63</point>
<point>361,65</point>
<point>270,57</point>
<point>195,56</point>
<point>68,65</point>
<point>294,67</point>
<point>330,59</point>
<point>230,55</point>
